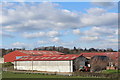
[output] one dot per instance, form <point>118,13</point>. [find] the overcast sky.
<point>68,24</point>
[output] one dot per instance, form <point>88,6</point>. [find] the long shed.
<point>59,63</point>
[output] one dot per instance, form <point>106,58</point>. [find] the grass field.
<point>20,75</point>
<point>0,71</point>
<point>111,71</point>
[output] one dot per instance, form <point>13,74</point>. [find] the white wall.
<point>1,60</point>
<point>52,66</point>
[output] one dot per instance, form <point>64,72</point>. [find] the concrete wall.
<point>51,66</point>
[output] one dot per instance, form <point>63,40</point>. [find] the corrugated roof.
<point>32,52</point>
<point>10,57</point>
<point>48,58</point>
<point>113,55</point>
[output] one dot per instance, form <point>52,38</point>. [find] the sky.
<point>68,24</point>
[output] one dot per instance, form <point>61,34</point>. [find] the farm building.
<point>112,55</point>
<point>113,58</point>
<point>10,57</point>
<point>57,63</point>
<point>99,63</point>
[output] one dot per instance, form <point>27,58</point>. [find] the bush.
<point>8,64</point>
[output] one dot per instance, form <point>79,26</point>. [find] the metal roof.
<point>10,57</point>
<point>48,58</point>
<point>33,52</point>
<point>113,55</point>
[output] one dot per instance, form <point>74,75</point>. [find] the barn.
<point>57,63</point>
<point>10,57</point>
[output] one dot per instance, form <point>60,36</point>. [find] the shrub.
<point>8,64</point>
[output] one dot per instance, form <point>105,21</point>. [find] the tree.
<point>118,50</point>
<point>85,50</point>
<point>23,48</point>
<point>75,48</point>
<point>109,50</point>
<point>92,49</point>
<point>80,49</point>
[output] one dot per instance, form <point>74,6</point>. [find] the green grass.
<point>111,71</point>
<point>23,75</point>
<point>0,65</point>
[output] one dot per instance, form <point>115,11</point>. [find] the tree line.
<point>75,50</point>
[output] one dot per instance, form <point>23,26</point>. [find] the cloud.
<point>96,11</point>
<point>19,45</point>
<point>105,19</point>
<point>41,34</point>
<point>113,40</point>
<point>108,4</point>
<point>108,45</point>
<point>47,21</point>
<point>55,39</point>
<point>88,38</point>
<point>3,34</point>
<point>39,17</point>
<point>34,35</point>
<point>42,42</point>
<point>97,31</point>
<point>49,16</point>
<point>53,33</point>
<point>76,31</point>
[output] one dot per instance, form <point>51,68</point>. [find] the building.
<point>99,63</point>
<point>10,57</point>
<point>113,56</point>
<point>57,63</point>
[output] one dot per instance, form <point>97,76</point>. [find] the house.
<point>10,57</point>
<point>55,63</point>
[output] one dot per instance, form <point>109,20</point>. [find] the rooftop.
<point>48,58</point>
<point>34,52</point>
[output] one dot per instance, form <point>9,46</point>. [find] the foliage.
<point>7,64</point>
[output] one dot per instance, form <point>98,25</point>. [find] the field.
<point>21,75</point>
<point>111,71</point>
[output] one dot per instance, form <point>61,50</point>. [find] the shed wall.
<point>52,66</point>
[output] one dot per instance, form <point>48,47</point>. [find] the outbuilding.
<point>99,62</point>
<point>113,62</point>
<point>55,63</point>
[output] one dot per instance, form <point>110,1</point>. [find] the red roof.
<point>10,57</point>
<point>48,58</point>
<point>33,52</point>
<point>113,55</point>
